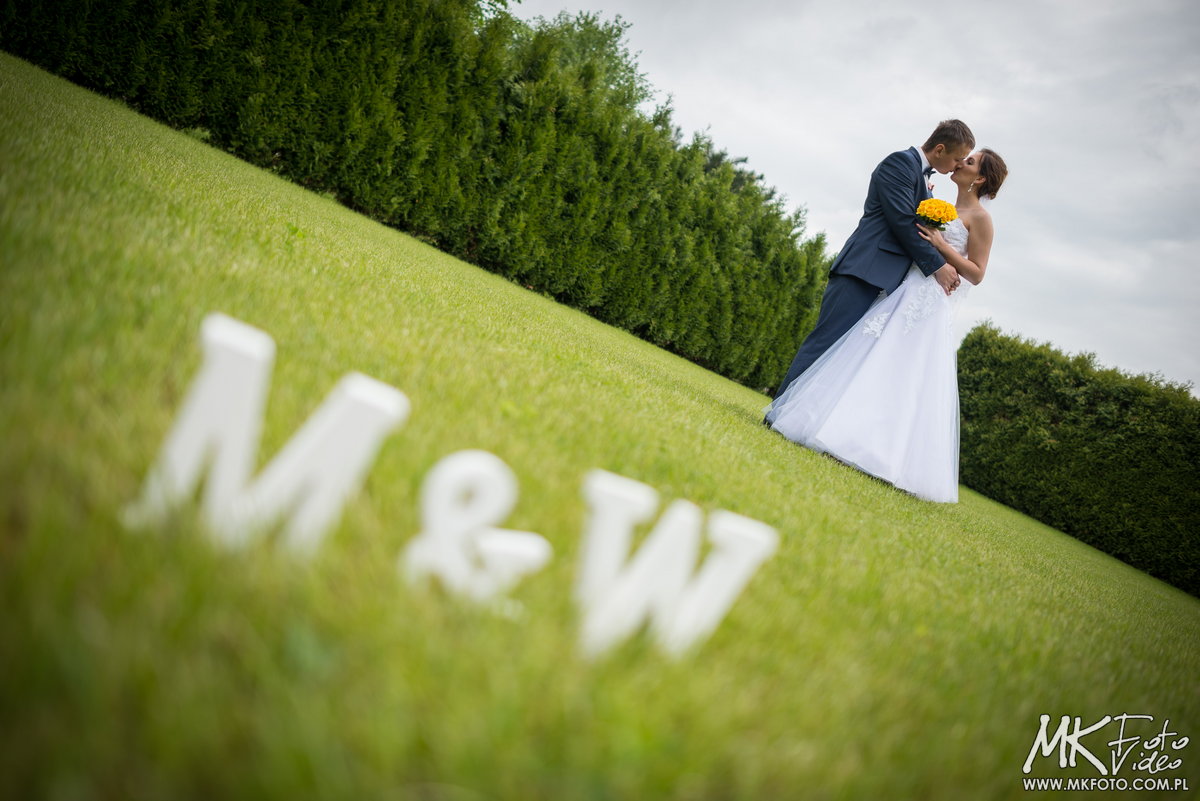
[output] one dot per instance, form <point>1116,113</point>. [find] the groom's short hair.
<point>951,133</point>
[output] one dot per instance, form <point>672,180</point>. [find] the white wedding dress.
<point>884,397</point>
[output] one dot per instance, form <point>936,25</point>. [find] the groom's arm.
<point>896,179</point>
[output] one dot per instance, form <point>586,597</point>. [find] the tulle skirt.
<point>884,397</point>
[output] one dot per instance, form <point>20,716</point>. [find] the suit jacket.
<point>886,241</point>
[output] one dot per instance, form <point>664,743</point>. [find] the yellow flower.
<point>936,212</point>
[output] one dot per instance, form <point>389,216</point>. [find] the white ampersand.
<point>464,497</point>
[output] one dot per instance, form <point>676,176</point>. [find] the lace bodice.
<point>956,234</point>
<point>919,297</point>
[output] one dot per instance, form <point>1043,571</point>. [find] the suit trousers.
<point>845,301</point>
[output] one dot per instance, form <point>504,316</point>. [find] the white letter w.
<point>657,582</point>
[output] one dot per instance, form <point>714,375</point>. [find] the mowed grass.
<point>892,648</point>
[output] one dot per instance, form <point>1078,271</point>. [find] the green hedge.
<point>519,148</point>
<point>1106,457</point>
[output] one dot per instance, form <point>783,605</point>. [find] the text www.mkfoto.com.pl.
<point>1159,783</point>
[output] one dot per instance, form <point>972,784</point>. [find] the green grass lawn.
<point>891,648</point>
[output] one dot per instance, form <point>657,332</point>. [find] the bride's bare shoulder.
<point>979,214</point>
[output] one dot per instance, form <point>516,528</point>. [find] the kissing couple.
<point>875,384</point>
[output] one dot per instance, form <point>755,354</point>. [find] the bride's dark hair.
<point>993,171</point>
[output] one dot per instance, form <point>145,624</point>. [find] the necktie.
<point>928,171</point>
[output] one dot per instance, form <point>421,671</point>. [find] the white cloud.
<point>1094,104</point>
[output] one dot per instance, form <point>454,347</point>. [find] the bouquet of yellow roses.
<point>934,213</point>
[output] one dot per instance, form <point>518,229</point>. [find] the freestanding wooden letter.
<point>216,437</point>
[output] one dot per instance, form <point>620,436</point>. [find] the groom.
<point>877,255</point>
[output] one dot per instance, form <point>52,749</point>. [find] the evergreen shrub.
<point>521,148</point>
<point>1107,457</point>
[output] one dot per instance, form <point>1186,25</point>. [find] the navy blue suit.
<point>875,258</point>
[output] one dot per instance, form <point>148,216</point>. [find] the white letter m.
<point>218,430</point>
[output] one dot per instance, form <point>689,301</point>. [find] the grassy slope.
<point>892,648</point>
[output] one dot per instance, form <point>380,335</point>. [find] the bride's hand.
<point>934,237</point>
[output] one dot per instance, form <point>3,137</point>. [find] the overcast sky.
<point>1094,104</point>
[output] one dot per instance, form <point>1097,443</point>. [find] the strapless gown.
<point>884,397</point>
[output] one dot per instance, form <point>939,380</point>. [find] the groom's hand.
<point>947,278</point>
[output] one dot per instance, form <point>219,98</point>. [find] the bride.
<point>884,397</point>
